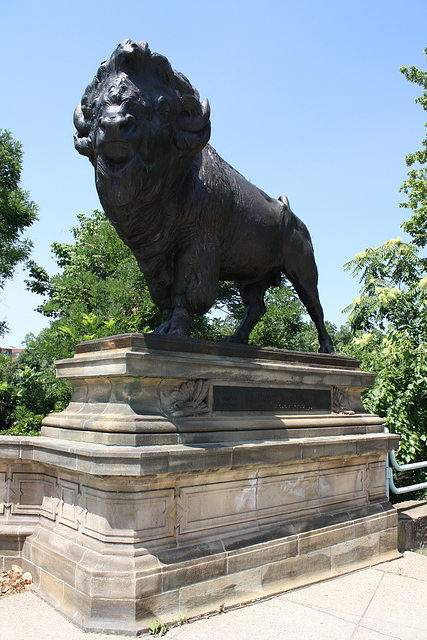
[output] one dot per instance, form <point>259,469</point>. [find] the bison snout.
<point>115,135</point>
<point>117,126</point>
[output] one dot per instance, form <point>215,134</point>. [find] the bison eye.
<point>164,115</point>
<point>163,109</point>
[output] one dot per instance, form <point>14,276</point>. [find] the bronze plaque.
<point>271,399</point>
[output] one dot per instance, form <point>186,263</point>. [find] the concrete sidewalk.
<point>385,601</point>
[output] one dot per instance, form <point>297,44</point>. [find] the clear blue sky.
<point>306,100</point>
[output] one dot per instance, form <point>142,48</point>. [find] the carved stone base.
<point>116,536</point>
<point>137,390</point>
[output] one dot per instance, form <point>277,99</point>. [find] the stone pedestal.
<point>187,475</point>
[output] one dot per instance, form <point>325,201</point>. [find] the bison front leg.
<point>161,293</point>
<point>196,284</point>
<point>164,326</point>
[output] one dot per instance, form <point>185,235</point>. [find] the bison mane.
<point>190,117</point>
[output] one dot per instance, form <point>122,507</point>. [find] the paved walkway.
<point>386,601</point>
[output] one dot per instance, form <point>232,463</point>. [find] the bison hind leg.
<point>253,298</point>
<point>300,268</point>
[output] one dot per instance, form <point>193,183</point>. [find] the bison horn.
<point>194,124</point>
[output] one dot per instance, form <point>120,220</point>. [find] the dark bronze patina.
<point>234,398</point>
<point>189,218</point>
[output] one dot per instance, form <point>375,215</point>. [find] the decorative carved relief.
<point>189,399</point>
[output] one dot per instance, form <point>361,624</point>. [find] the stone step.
<point>412,525</point>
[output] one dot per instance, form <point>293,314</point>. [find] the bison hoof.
<point>326,346</point>
<point>235,340</point>
<point>163,328</point>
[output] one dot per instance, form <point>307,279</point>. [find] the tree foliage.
<point>415,186</point>
<point>17,212</point>
<point>29,390</point>
<point>98,285</point>
<point>389,318</point>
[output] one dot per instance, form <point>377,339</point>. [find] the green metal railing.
<point>393,464</point>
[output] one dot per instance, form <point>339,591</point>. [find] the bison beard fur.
<point>189,218</point>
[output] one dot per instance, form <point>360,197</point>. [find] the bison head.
<point>139,120</point>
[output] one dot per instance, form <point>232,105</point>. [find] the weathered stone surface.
<point>388,543</point>
<point>357,552</point>
<point>311,541</point>
<point>199,537</point>
<point>100,460</point>
<point>213,508</point>
<point>137,390</point>
<point>412,525</point>
<point>256,555</point>
<point>227,590</point>
<point>296,571</point>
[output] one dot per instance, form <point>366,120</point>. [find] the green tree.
<point>99,289</point>
<point>285,325</point>
<point>389,318</point>
<point>282,324</point>
<point>29,390</point>
<point>17,212</point>
<point>415,186</point>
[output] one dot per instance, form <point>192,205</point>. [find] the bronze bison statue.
<point>189,218</point>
